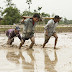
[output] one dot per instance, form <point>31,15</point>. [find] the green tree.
<point>65,21</point>
<point>61,21</point>
<point>45,14</point>
<point>70,21</point>
<point>27,13</point>
<point>12,16</point>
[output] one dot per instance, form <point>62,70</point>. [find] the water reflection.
<point>38,60</point>
<point>39,65</point>
<point>50,64</point>
<point>24,58</point>
<point>13,57</point>
<point>28,61</point>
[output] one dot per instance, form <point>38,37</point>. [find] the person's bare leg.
<point>56,38</point>
<point>46,41</point>
<point>22,42</point>
<point>10,41</point>
<point>44,44</point>
<point>33,42</point>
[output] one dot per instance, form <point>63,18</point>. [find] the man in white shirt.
<point>50,30</point>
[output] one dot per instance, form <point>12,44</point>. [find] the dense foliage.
<point>12,16</point>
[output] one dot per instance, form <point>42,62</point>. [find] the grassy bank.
<point>64,29</point>
<point>41,29</point>
<point>58,29</point>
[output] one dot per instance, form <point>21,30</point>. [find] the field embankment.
<point>38,28</point>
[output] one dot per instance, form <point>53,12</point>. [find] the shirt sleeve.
<point>48,24</point>
<point>19,36</point>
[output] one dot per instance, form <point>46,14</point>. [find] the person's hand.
<point>22,21</point>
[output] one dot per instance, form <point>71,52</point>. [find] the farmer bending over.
<point>11,33</point>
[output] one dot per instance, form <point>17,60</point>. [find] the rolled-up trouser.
<point>46,38</point>
<point>26,36</point>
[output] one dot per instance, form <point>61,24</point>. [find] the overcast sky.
<point>58,7</point>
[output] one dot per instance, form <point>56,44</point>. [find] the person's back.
<point>29,26</point>
<point>9,31</point>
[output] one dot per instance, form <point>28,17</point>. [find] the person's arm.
<point>48,25</point>
<point>19,36</point>
<point>46,32</point>
<point>26,23</point>
<point>47,28</point>
<point>22,21</point>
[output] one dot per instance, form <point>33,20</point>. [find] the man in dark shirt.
<point>11,33</point>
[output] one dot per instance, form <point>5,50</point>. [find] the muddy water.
<point>37,60</point>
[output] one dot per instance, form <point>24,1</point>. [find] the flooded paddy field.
<point>37,59</point>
